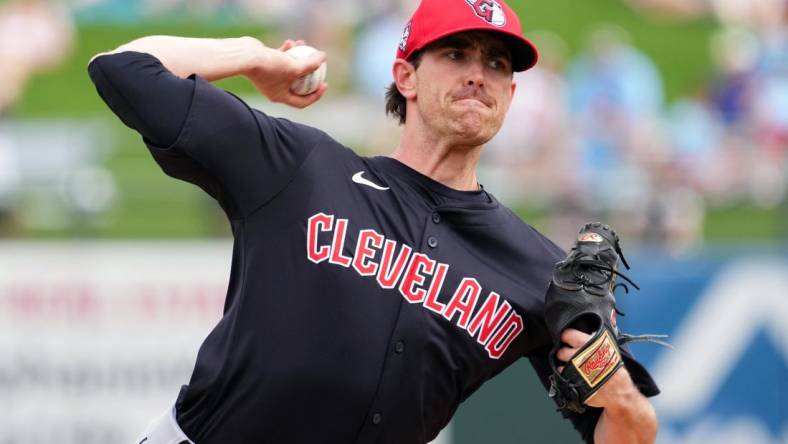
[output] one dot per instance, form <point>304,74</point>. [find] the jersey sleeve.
<point>201,134</point>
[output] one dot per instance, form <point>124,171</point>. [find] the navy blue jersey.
<point>366,301</point>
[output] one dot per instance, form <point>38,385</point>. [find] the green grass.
<point>736,224</point>
<point>745,223</point>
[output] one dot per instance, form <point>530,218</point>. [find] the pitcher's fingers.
<point>310,63</point>
<point>287,44</point>
<point>304,101</point>
<point>574,338</point>
<point>565,353</point>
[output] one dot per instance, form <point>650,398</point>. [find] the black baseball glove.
<point>581,296</point>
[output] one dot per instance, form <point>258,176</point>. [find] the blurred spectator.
<point>751,95</point>
<point>771,112</point>
<point>735,53</point>
<point>696,139</point>
<point>35,35</point>
<point>612,73</point>
<point>671,8</point>
<point>771,96</point>
<point>615,97</point>
<point>752,13</point>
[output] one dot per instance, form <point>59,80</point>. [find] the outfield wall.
<point>97,337</point>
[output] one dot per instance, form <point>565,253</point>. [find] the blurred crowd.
<point>593,136</point>
<point>588,136</point>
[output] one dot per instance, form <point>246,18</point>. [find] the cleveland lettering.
<point>419,280</point>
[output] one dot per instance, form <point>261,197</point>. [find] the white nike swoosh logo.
<point>359,179</point>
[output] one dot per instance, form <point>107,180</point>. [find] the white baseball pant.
<point>164,430</point>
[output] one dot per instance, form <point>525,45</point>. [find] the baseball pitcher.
<point>370,296</point>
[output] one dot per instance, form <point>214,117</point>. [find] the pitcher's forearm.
<point>212,59</point>
<point>633,421</point>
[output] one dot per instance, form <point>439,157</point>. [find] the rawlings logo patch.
<point>403,42</point>
<point>488,10</point>
<point>598,360</point>
<point>590,237</point>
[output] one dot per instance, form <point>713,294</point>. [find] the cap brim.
<point>524,53</point>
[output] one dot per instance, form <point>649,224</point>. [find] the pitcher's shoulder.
<point>532,239</point>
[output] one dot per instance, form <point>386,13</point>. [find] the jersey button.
<point>432,241</point>
<point>376,418</point>
<point>399,347</point>
<point>436,218</point>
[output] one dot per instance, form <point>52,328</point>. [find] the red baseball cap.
<point>435,19</point>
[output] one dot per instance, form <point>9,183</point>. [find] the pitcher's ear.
<point>405,78</point>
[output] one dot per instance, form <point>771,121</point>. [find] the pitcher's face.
<point>464,86</point>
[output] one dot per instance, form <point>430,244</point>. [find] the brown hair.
<point>396,105</point>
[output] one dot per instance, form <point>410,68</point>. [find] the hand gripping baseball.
<point>581,296</point>
<point>275,71</point>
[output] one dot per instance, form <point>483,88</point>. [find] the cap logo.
<point>590,237</point>
<point>403,42</point>
<point>598,360</point>
<point>488,10</point>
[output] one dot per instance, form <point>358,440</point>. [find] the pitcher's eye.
<point>497,64</point>
<point>455,55</point>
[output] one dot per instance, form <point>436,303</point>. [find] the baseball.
<point>311,82</point>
